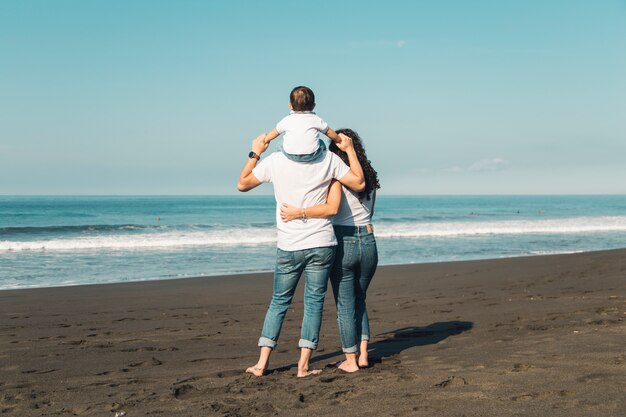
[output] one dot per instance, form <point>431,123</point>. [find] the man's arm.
<point>247,180</point>
<point>328,209</point>
<point>354,179</point>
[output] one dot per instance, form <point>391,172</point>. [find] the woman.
<point>357,255</point>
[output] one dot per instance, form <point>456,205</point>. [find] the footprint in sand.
<point>185,392</point>
<point>39,371</point>
<point>520,367</point>
<point>153,362</point>
<point>228,373</point>
<point>452,381</point>
<point>389,360</point>
<point>525,397</point>
<point>594,377</point>
<point>125,319</point>
<point>74,342</point>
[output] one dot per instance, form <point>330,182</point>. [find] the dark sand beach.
<point>533,336</point>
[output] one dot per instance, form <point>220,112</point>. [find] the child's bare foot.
<point>303,373</point>
<point>348,366</point>
<point>256,370</point>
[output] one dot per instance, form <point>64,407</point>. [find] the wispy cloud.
<point>484,165</point>
<point>378,44</point>
<point>495,164</point>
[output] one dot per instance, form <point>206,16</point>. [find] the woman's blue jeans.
<point>316,264</point>
<point>353,270</point>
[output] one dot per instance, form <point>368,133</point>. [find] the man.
<point>305,245</point>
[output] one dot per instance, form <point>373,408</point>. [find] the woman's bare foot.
<point>349,366</point>
<point>363,360</point>
<point>303,373</point>
<point>256,370</point>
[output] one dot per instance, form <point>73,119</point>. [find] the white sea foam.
<point>265,236</point>
<point>148,241</point>
<point>504,227</point>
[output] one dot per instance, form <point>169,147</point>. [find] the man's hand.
<point>259,145</point>
<point>345,143</point>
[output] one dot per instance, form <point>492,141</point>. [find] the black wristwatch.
<point>253,155</point>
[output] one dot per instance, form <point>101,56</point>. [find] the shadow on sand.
<point>401,339</point>
<point>408,337</point>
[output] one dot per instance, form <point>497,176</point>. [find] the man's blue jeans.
<point>354,268</point>
<point>316,264</point>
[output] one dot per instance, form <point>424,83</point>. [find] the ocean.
<point>56,241</point>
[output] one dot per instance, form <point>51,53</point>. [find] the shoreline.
<point>241,274</point>
<point>538,335</point>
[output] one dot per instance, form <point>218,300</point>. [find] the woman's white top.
<point>353,212</point>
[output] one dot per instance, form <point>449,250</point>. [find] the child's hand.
<point>271,136</point>
<point>345,143</point>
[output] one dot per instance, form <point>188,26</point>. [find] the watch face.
<point>251,155</point>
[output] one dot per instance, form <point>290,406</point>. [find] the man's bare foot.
<point>349,367</point>
<point>303,373</point>
<point>255,370</point>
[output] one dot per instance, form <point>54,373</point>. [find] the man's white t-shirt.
<point>301,132</point>
<point>352,211</point>
<point>301,184</point>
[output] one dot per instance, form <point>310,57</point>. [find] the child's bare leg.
<point>264,361</point>
<point>303,363</point>
<point>363,360</point>
<point>349,365</point>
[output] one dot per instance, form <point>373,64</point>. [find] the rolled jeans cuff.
<point>353,349</point>
<point>307,344</point>
<point>265,342</point>
<point>365,337</point>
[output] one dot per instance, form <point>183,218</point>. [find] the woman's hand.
<point>345,143</point>
<point>288,212</point>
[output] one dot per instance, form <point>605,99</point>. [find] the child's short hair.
<point>302,99</point>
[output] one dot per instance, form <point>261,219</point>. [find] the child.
<point>301,141</point>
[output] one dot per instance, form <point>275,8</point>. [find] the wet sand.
<point>533,336</point>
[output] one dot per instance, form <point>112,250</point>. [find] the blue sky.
<point>450,97</point>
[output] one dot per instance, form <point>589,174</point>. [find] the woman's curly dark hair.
<point>371,176</point>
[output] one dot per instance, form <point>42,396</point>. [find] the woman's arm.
<point>328,209</point>
<point>373,204</point>
<point>354,179</point>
